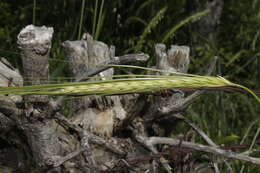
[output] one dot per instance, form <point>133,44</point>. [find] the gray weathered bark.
<point>102,133</point>
<point>36,121</point>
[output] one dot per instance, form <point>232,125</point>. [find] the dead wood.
<point>102,133</point>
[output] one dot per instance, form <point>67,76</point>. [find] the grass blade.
<point>117,86</point>
<point>152,24</point>
<point>195,16</point>
<point>100,20</point>
<point>81,18</point>
<point>128,84</point>
<point>95,18</point>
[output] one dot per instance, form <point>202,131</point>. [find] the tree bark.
<point>101,133</point>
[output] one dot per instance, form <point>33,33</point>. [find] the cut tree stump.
<point>116,133</point>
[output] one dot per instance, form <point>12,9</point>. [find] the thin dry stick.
<point>125,59</point>
<point>84,142</point>
<point>162,160</point>
<point>141,136</point>
<point>203,148</point>
<point>68,157</point>
<point>206,138</point>
<point>196,128</point>
<point>185,102</point>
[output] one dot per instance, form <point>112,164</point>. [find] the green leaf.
<point>152,24</point>
<point>235,57</point>
<point>227,139</point>
<point>192,18</point>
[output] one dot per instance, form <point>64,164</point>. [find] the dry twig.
<point>203,148</point>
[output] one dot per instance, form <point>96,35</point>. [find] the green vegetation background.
<point>136,25</point>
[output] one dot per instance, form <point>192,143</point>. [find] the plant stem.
<point>81,18</point>
<point>95,18</point>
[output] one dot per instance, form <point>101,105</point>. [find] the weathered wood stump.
<point>102,133</point>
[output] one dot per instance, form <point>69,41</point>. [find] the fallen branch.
<point>203,148</point>
<point>141,136</point>
<point>125,59</point>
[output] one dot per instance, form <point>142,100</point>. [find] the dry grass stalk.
<point>123,86</point>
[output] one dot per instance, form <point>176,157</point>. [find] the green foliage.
<point>81,18</point>
<point>130,84</point>
<point>152,24</point>
<point>193,18</point>
<point>98,22</point>
<point>227,139</point>
<point>136,25</point>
